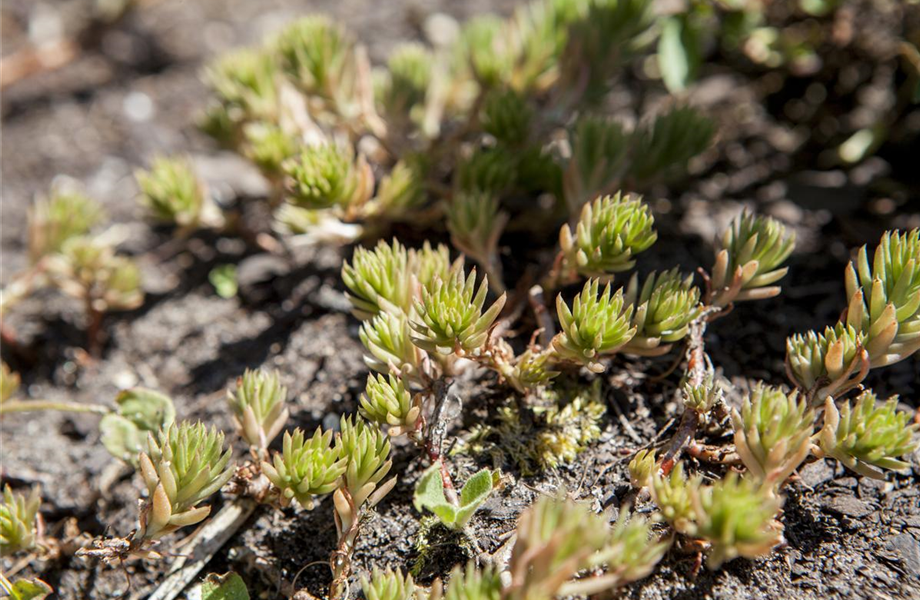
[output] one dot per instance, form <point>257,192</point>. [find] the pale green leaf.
<point>229,586</point>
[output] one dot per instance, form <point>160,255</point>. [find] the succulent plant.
<point>429,264</point>
<point>630,554</point>
<point>609,233</point>
<point>470,583</point>
<point>884,299</point>
<point>378,280</point>
<point>306,468</point>
<point>269,147</point>
<point>389,584</point>
<point>598,324</point>
<point>531,370</point>
<point>866,437</point>
<point>556,538</point>
<point>475,224</point>
<point>829,363</point>
<point>328,176</point>
<point>367,451</point>
<point>599,160</point>
<point>506,116</point>
<point>244,84</point>
<point>259,406</point>
<point>317,54</point>
<point>492,171</point>
<point>184,464</point>
<point>664,308</point>
<point>387,401</point>
<point>19,520</point>
<point>642,468</point>
<point>674,495</point>
<point>737,516</point>
<point>172,193</point>
<point>749,261</point>
<point>668,142</point>
<point>407,78</point>
<point>773,433</point>
<point>704,396</point>
<point>388,340</point>
<point>449,315</point>
<point>61,217</point>
<point>402,190</point>
<point>90,270</point>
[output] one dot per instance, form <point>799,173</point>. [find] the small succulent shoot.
<point>387,401</point>
<point>642,467</point>
<point>244,84</point>
<point>532,370</point>
<point>318,55</point>
<point>599,160</point>
<point>366,450</point>
<point>269,147</point>
<point>484,51</point>
<point>259,407</point>
<point>773,433</point>
<point>9,382</point>
<point>750,260</point>
<point>328,176</point>
<point>429,495</point>
<point>306,468</point>
<point>702,398</point>
<point>884,298</point>
<point>63,216</point>
<point>668,143</point>
<point>379,280</point>
<point>390,349</point>
<point>172,193</point>
<point>737,516</point>
<point>491,171</point>
<point>449,314</point>
<point>609,233</point>
<point>402,190</point>
<point>829,363</point>
<point>25,589</point>
<point>506,116</point>
<point>90,270</point>
<point>20,522</point>
<point>405,82</point>
<point>555,540</point>
<point>630,554</point>
<point>602,36</point>
<point>429,264</point>
<point>475,224</point>
<point>138,413</point>
<point>867,437</point>
<point>664,308</point>
<point>598,324</point>
<point>469,583</point>
<point>389,585</point>
<point>184,465</point>
<point>673,493</point>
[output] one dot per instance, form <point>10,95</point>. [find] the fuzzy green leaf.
<point>229,586</point>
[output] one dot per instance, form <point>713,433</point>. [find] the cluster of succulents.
<point>67,252</point>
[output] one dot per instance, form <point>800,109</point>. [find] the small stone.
<point>847,506</point>
<point>816,473</point>
<point>847,482</point>
<point>908,548</point>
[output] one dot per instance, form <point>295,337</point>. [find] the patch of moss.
<point>543,434</point>
<point>438,549</point>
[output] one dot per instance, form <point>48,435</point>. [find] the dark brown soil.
<point>135,91</point>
